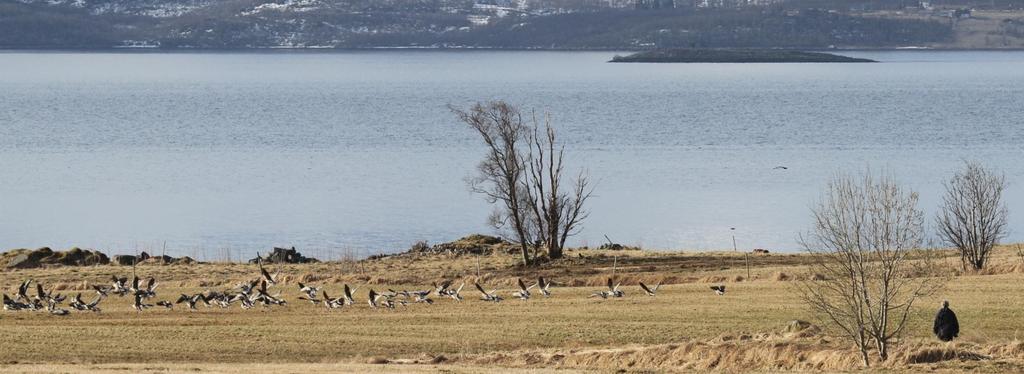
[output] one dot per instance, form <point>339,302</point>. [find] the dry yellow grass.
<point>686,327</point>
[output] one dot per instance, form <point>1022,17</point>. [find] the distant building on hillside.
<point>655,4</point>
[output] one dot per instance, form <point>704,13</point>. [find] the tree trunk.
<point>863,346</point>
<point>554,251</point>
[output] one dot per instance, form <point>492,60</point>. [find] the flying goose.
<point>149,291</point>
<point>100,290</point>
<point>349,300</point>
<point>165,304</point>
<point>544,286</point>
<point>54,310</point>
<point>119,285</point>
<point>613,291</point>
<point>22,295</point>
<point>243,301</point>
<point>47,298</point>
<point>442,289</point>
<point>372,299</point>
<point>135,285</point>
<point>191,300</point>
<point>93,306</point>
<point>524,292</point>
<point>454,294</point>
<point>334,303</point>
<point>487,296</point>
<point>422,298</point>
<point>266,275</point>
<point>262,296</point>
<point>77,303</point>
<point>13,305</point>
<point>376,300</point>
<point>310,291</point>
<point>139,305</point>
<point>649,290</point>
<point>720,289</point>
<point>40,293</point>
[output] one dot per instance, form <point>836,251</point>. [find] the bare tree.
<point>556,213</point>
<point>502,171</point>
<point>866,242</point>
<point>523,173</point>
<point>972,217</point>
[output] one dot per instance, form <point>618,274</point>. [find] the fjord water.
<point>356,151</point>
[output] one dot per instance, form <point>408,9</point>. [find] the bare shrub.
<point>865,243</point>
<point>972,217</point>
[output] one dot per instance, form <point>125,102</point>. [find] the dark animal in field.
<point>946,325</point>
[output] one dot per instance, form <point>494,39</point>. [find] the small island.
<point>733,56</point>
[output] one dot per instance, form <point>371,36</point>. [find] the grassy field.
<point>685,327</point>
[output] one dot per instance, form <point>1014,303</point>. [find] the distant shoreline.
<point>449,49</point>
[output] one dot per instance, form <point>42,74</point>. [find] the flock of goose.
<point>255,293</point>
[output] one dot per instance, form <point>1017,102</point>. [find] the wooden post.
<point>747,260</point>
<point>615,264</point>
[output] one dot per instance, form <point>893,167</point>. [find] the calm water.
<point>356,152</point>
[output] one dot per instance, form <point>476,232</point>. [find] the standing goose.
<point>719,289</point>
<point>649,290</point>
<point>487,296</point>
